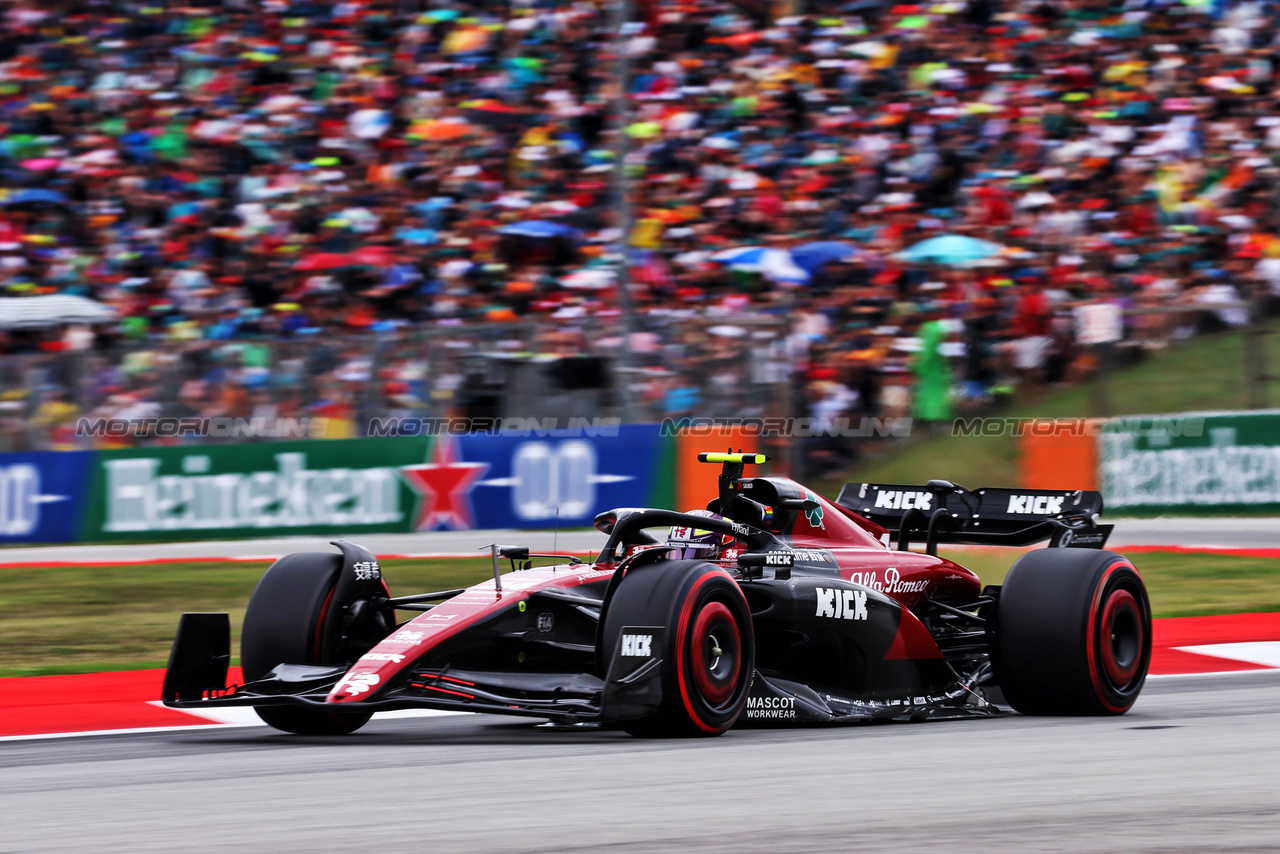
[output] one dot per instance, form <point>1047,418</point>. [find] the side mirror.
<point>805,504</point>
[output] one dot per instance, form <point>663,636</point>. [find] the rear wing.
<point>945,512</point>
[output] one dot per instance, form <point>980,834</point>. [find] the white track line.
<point>135,731</point>
<point>1266,653</point>
<point>1213,673</point>
<point>233,717</point>
<point>226,715</point>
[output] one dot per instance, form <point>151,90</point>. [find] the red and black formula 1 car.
<point>774,606</point>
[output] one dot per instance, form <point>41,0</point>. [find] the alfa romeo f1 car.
<point>774,606</point>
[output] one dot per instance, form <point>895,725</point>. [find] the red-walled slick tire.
<point>708,653</point>
<point>282,626</point>
<point>1072,634</point>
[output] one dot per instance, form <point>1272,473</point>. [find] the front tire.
<point>283,625</point>
<point>708,654</point>
<point>1073,633</point>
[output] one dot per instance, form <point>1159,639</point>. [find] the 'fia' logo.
<point>637,646</point>
<point>1041,505</point>
<point>842,604</point>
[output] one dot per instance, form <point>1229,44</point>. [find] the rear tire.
<point>282,625</point>
<point>1073,633</point>
<point>709,647</point>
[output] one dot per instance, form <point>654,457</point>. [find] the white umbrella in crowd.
<point>52,310</point>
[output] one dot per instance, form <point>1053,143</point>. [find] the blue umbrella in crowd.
<point>541,229</point>
<point>812,257</point>
<point>35,196</point>
<point>955,250</point>
<point>774,264</point>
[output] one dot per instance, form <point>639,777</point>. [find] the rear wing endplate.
<point>945,512</point>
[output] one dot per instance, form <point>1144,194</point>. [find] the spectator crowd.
<point>279,200</point>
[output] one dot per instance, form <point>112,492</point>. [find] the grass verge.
<point>1180,585</point>
<point>79,619</point>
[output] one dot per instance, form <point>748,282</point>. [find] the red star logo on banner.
<point>444,487</point>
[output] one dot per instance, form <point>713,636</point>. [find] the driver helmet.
<point>688,543</point>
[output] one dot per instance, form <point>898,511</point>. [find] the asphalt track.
<point>1191,532</point>
<point>1192,768</point>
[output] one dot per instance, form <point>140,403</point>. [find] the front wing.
<point>196,678</point>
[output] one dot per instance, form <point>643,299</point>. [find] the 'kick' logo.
<point>637,646</point>
<point>842,604</point>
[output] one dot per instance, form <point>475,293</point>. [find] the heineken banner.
<point>253,490</point>
<point>529,479</point>
<point>535,478</point>
<point>1220,462</point>
<point>43,496</point>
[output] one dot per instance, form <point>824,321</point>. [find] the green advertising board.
<point>253,490</point>
<point>1222,462</point>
